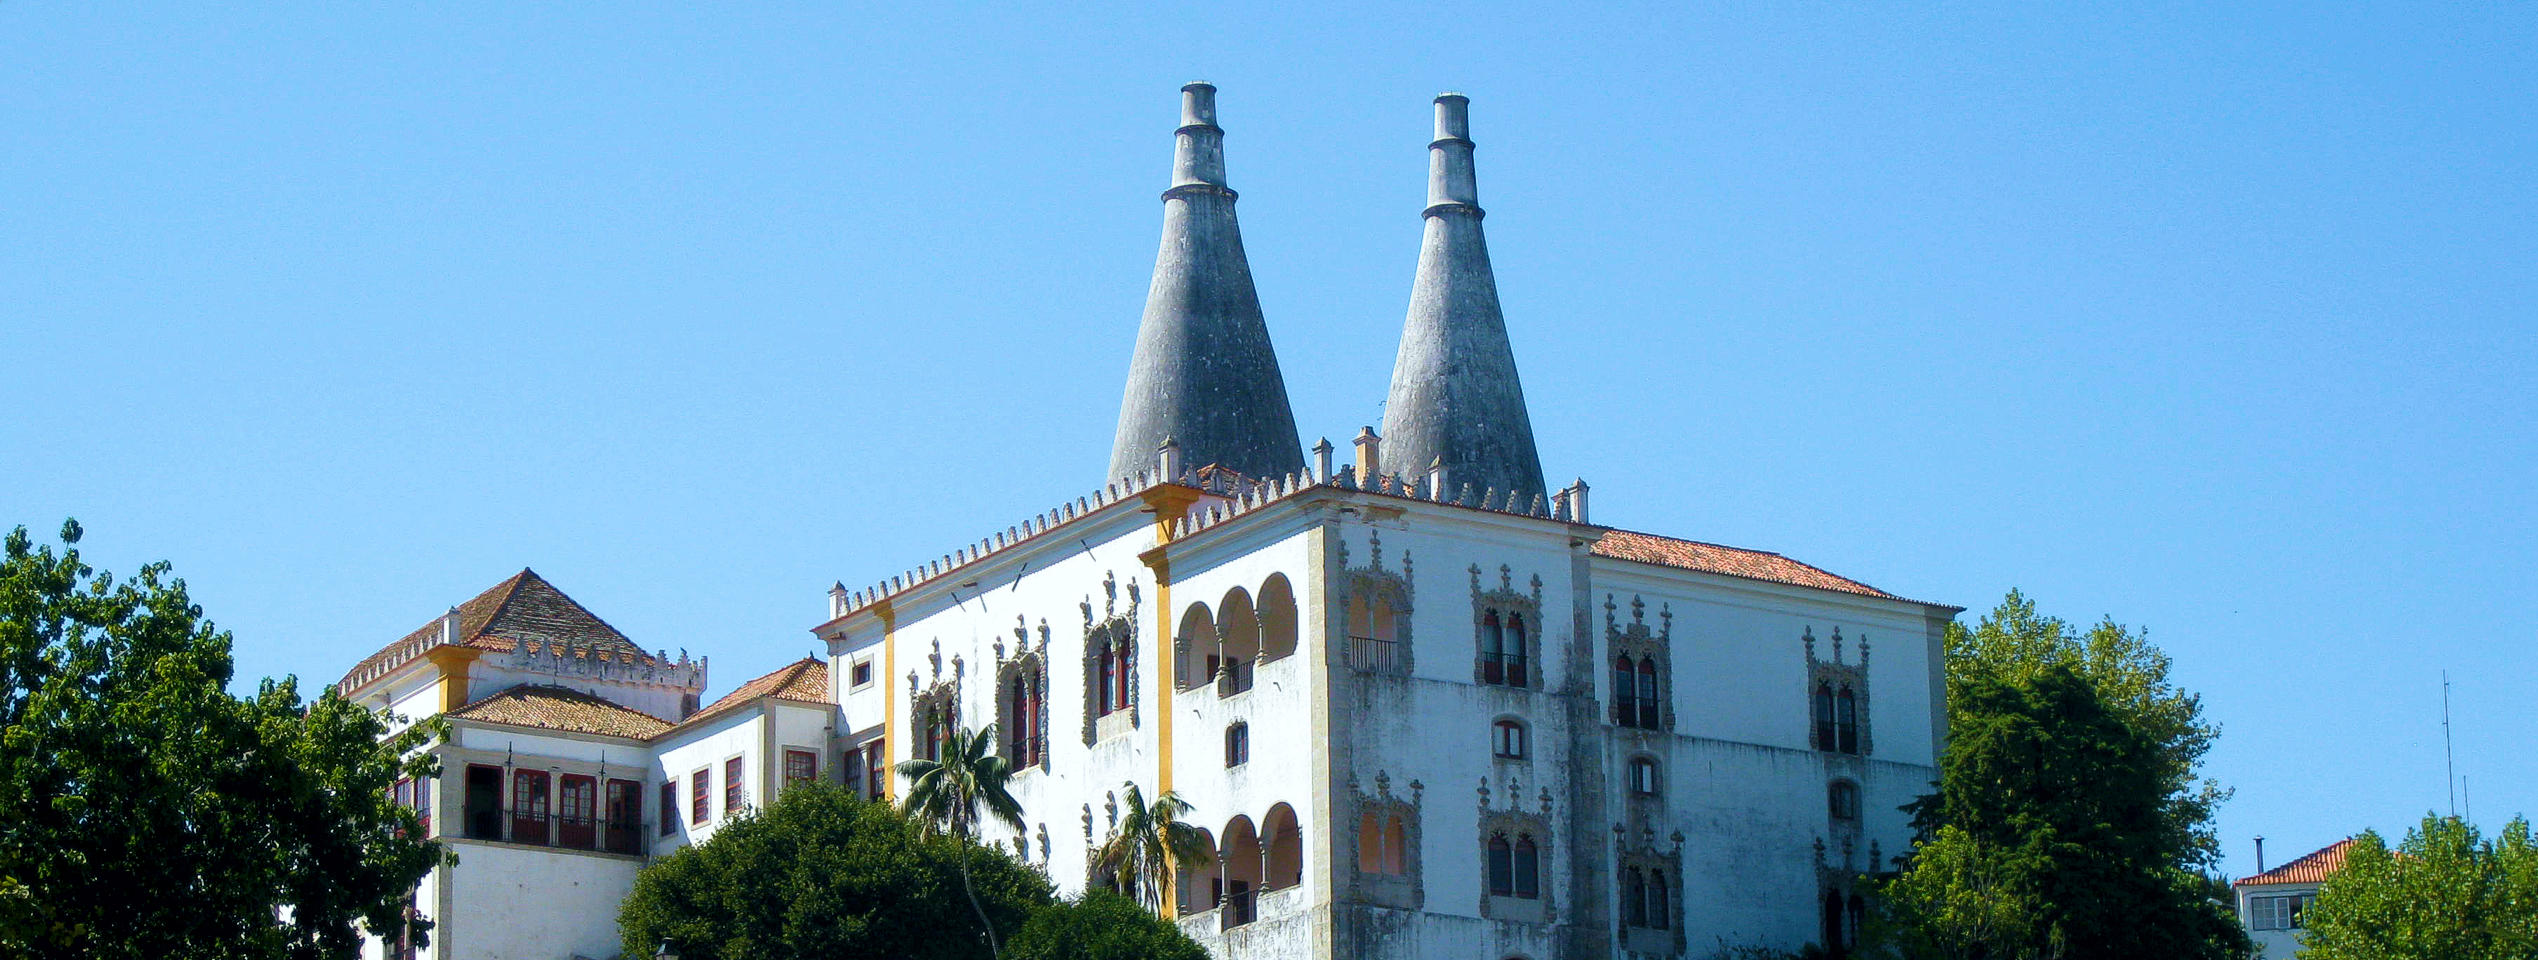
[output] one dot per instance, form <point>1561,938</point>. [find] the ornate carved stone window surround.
<point>1837,698</point>
<point>1515,855</point>
<point>1381,848</point>
<point>1642,669</point>
<point>1506,632</point>
<point>1110,664</point>
<point>1649,879</point>
<point>1022,697</point>
<point>1377,604</point>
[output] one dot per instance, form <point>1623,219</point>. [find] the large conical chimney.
<point>1204,375</point>
<point>1455,399</point>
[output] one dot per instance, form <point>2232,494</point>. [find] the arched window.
<point>1648,713</point>
<point>1284,845</point>
<point>1396,846</point>
<point>1519,669</point>
<point>1238,633</point>
<point>1625,683</point>
<point>1846,720</point>
<point>1843,799</point>
<point>1660,908</point>
<point>1855,911</point>
<point>1832,920</point>
<point>1824,716</point>
<point>1493,646</point>
<point>1025,704</point>
<point>1502,866</point>
<point>1643,776</point>
<point>1277,618</point>
<point>1237,744</point>
<point>1528,868</point>
<point>1507,740</point>
<point>1635,899</point>
<point>1370,843</point>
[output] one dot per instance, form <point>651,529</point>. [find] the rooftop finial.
<point>1455,395</point>
<point>1204,373</point>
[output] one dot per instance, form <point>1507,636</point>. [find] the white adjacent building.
<point>574,757</point>
<point>1424,704</point>
<point>2271,902</point>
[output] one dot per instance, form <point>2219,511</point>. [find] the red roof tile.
<point>558,708</point>
<point>2313,868</point>
<point>1727,561</point>
<point>525,607</point>
<point>802,681</point>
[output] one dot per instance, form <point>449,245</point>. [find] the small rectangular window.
<point>733,789</point>
<point>700,802</point>
<point>876,769</point>
<point>800,766</point>
<point>669,807</point>
<point>861,676</point>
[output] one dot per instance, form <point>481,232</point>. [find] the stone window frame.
<point>1370,583</point>
<point>1405,890</point>
<point>1646,855</point>
<point>1842,881</point>
<point>1517,823</point>
<point>1506,603</point>
<point>1031,661</point>
<point>1838,675</point>
<point>943,694</point>
<point>1112,631</point>
<point>1635,642</point>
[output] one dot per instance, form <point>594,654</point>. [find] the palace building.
<point>1423,703</point>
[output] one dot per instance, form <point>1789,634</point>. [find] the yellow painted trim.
<point>1170,502</point>
<point>453,662</point>
<point>889,704</point>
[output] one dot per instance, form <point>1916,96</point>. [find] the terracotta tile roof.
<point>558,708</point>
<point>1728,561</point>
<point>525,607</point>
<point>802,681</point>
<point>2313,868</point>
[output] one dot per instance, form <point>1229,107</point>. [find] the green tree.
<point>1149,845</point>
<point>1102,925</point>
<point>822,875</point>
<point>145,812</point>
<point>2068,821</point>
<point>952,795</point>
<point>2446,893</point>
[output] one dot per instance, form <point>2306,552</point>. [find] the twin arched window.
<point>1380,844</point>
<point>1503,650</point>
<point>1635,698</point>
<point>1515,867</point>
<point>1836,719</point>
<point>1644,901</point>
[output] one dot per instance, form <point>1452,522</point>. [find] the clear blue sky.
<point>2212,320</point>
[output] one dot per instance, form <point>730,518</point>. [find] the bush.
<point>821,874</point>
<point>1101,925</point>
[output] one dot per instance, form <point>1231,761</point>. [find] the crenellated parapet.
<point>566,659</point>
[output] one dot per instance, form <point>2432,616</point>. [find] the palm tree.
<point>950,796</point>
<point>1149,845</point>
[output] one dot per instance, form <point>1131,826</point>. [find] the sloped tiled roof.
<point>802,681</point>
<point>558,708</point>
<point>525,607</point>
<point>2313,868</point>
<point>1727,561</point>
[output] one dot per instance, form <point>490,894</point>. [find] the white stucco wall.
<point>521,903</point>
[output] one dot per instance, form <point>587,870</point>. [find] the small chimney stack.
<point>1322,460</point>
<point>449,627</point>
<point>1167,457</point>
<point>1436,479</point>
<point>1369,456</point>
<point>2260,853</point>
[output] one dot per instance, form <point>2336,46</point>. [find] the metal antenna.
<point>2449,765</point>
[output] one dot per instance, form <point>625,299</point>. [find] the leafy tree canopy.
<point>1101,925</point>
<point>146,813</point>
<point>2068,822</point>
<point>2445,893</point>
<point>822,874</point>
